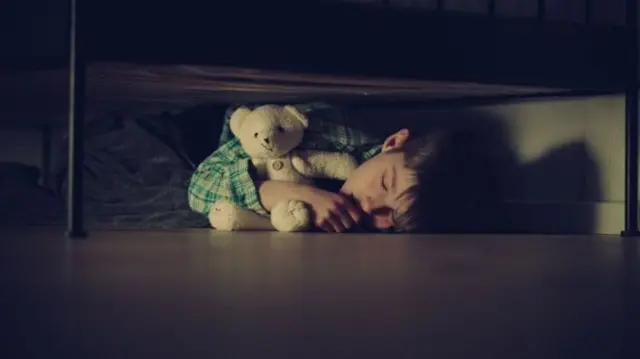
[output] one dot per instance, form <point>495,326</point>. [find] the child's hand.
<point>332,212</point>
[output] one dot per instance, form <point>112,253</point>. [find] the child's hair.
<point>421,154</point>
<point>456,185</point>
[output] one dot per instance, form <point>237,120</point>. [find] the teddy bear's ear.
<point>237,119</point>
<point>297,114</point>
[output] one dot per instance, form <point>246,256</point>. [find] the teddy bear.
<point>269,134</point>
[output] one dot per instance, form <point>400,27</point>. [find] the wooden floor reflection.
<point>197,294</point>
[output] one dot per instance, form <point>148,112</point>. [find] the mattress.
<point>34,97</point>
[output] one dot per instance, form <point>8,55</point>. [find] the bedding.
<point>136,173</point>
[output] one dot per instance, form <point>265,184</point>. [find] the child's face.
<point>379,184</point>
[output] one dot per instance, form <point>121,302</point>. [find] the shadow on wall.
<point>482,187</point>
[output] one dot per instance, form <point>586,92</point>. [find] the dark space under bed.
<point>137,169</point>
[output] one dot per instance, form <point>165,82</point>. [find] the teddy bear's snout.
<point>262,138</point>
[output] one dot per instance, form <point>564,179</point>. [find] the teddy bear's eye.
<point>255,135</point>
<point>280,129</point>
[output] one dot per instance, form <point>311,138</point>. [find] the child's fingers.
<point>337,223</point>
<point>353,209</point>
<point>349,217</point>
<point>330,225</point>
<point>333,223</point>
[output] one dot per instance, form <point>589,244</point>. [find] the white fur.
<point>226,216</point>
<point>320,164</point>
<point>268,131</point>
<point>269,134</point>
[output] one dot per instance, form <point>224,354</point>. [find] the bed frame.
<point>364,52</point>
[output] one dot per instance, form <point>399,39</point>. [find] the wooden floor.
<point>200,294</point>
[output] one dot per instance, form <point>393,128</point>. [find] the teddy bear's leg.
<point>290,216</point>
<point>226,216</point>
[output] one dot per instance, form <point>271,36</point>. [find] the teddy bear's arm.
<point>321,164</point>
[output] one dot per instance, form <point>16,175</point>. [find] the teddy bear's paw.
<point>290,216</point>
<point>223,216</point>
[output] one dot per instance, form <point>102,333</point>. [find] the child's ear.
<point>396,140</point>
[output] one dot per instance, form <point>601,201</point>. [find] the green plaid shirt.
<point>227,173</point>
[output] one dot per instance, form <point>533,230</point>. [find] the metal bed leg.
<point>542,9</point>
<point>631,129</point>
<point>75,219</point>
<point>491,7</point>
<point>631,165</point>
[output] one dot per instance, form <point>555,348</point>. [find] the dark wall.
<point>39,28</point>
<point>33,29</point>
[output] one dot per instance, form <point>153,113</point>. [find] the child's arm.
<point>332,212</point>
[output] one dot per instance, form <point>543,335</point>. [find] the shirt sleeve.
<point>224,175</point>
